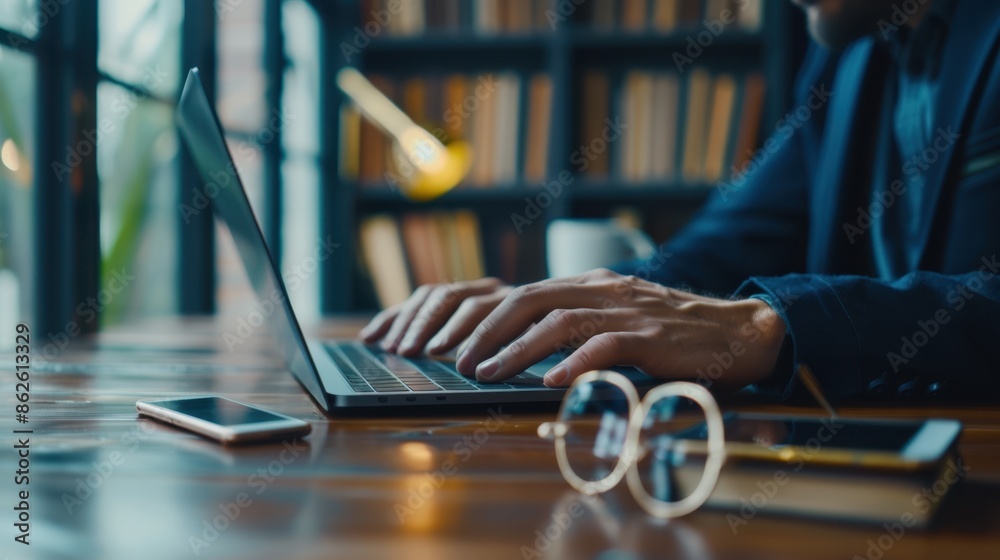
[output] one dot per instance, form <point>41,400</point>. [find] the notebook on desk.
<point>338,374</point>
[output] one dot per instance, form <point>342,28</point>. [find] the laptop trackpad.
<point>532,377</point>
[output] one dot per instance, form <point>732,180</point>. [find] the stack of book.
<point>664,16</point>
<point>509,144</point>
<point>695,129</point>
<point>415,17</point>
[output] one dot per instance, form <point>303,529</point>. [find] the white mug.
<point>576,246</point>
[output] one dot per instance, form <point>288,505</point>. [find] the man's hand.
<point>448,312</point>
<point>621,320</point>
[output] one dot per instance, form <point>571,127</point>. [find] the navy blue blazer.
<point>791,231</point>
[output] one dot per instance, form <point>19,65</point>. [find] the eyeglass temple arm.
<point>812,384</point>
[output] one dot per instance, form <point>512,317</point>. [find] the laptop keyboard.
<point>371,370</point>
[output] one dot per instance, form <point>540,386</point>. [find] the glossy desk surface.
<point>105,484</point>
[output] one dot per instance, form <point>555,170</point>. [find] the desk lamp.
<point>428,167</point>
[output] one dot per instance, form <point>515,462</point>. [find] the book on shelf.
<point>482,17</point>
<point>665,16</point>
<point>695,125</point>
<point>468,240</point>
<point>383,255</point>
<point>401,252</point>
<point>424,248</point>
<point>539,133</point>
<point>694,128</point>
<point>349,158</point>
<point>720,127</point>
<point>633,14</point>
<point>664,120</point>
<point>602,15</point>
<point>595,104</point>
<point>509,141</point>
<point>749,127</point>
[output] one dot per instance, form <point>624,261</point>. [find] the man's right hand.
<point>447,312</point>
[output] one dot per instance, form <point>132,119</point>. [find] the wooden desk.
<point>107,485</point>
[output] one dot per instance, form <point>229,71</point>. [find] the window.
<point>17,141</point>
<point>241,102</point>
<point>95,85</point>
<point>270,112</point>
<point>300,175</point>
<point>22,16</point>
<point>137,154</point>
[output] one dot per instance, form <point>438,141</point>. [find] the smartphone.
<point>224,420</point>
<point>890,444</point>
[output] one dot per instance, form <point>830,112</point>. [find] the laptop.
<point>339,375</point>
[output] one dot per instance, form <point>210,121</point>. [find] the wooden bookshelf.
<point>565,54</point>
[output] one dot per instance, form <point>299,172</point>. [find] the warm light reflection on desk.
<point>417,455</point>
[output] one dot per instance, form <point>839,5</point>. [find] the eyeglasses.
<point>605,433</point>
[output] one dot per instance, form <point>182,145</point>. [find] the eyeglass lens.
<point>596,418</point>
<point>669,466</point>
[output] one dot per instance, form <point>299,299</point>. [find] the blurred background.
<point>635,110</point>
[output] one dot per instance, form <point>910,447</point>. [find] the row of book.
<point>668,15</point>
<point>694,128</point>
<point>487,17</point>
<point>402,252</point>
<point>509,144</point>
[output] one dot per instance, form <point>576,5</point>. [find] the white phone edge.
<point>240,433</point>
<point>932,441</point>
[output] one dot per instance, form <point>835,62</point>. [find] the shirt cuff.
<point>821,332</point>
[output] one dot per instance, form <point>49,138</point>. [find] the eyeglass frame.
<point>628,457</point>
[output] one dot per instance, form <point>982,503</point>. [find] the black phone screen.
<point>219,411</point>
<point>806,432</point>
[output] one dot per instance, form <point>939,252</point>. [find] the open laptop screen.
<point>221,185</point>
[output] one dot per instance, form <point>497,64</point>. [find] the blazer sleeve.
<point>923,334</point>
